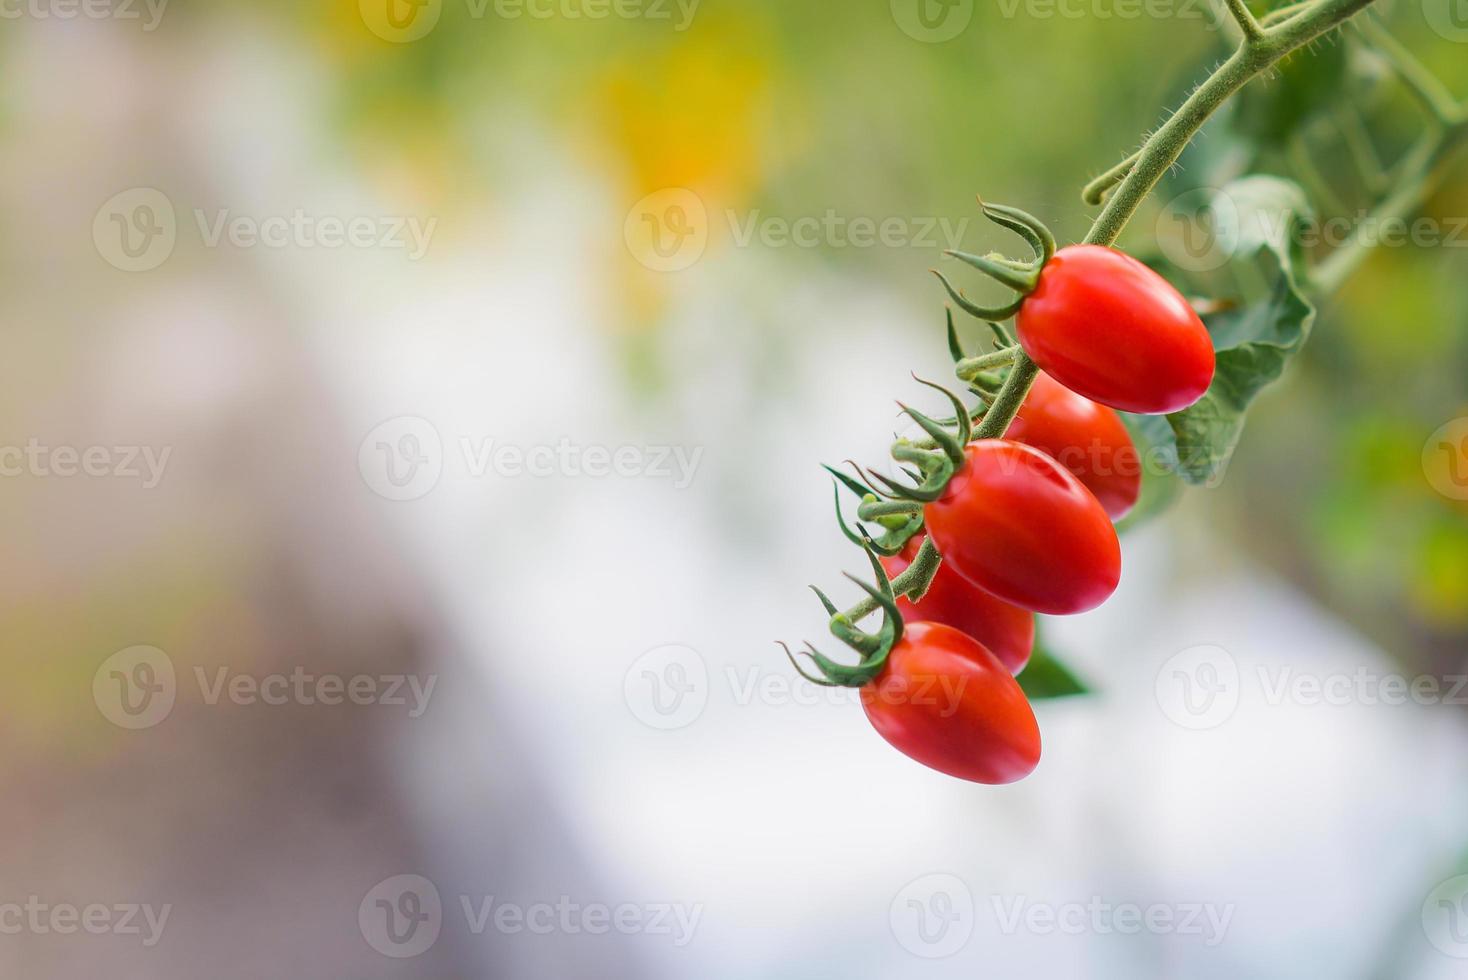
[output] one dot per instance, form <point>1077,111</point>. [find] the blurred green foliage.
<point>799,108</point>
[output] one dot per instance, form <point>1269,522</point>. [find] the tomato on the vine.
<point>1107,327</point>
<point>1018,525</point>
<point>1086,438</point>
<point>946,701</point>
<point>1004,629</point>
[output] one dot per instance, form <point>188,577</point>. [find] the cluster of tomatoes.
<point>1024,524</point>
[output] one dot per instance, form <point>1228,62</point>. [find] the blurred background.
<point>409,429</point>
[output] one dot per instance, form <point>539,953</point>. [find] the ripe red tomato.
<point>1086,438</point>
<point>946,701</point>
<point>1005,630</point>
<point>1106,326</point>
<point>1018,525</point>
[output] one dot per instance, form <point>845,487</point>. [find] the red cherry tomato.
<point>1005,630</point>
<point>1018,525</point>
<point>1086,438</point>
<point>1107,327</point>
<point>946,701</point>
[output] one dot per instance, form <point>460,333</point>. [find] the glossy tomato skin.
<point>1018,525</point>
<point>1086,438</point>
<point>1109,328</point>
<point>946,701</point>
<point>1004,629</point>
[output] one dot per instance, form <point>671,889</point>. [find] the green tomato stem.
<point>1095,192</point>
<point>1245,19</point>
<point>971,367</point>
<point>1420,173</point>
<point>1260,50</point>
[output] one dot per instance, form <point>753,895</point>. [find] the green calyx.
<point>873,648</point>
<point>1021,276</point>
<point>897,509</point>
<point>900,520</point>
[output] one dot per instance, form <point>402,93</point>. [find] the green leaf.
<point>1262,210</point>
<point>1045,677</point>
<point>1273,107</point>
<point>1254,340</point>
<point>1161,487</point>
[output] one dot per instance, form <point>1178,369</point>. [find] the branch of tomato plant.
<point>1424,86</point>
<point>1257,52</point>
<point>1244,17</point>
<point>1421,172</point>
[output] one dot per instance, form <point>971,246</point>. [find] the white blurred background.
<point>598,732</point>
